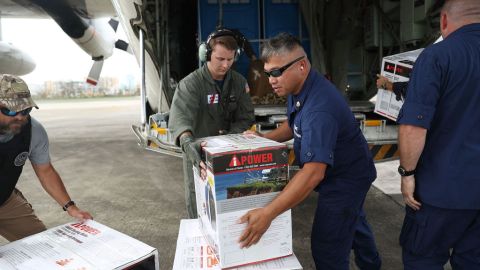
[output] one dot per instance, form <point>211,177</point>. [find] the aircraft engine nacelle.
<point>98,40</point>
<point>14,61</point>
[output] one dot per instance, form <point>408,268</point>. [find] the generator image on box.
<point>244,172</point>
<point>259,182</point>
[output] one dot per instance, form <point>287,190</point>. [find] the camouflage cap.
<point>14,93</point>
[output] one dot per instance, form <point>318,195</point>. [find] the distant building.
<point>107,86</point>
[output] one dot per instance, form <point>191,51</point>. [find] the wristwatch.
<point>68,204</point>
<point>403,172</point>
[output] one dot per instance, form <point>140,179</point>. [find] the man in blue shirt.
<point>439,139</point>
<point>334,158</point>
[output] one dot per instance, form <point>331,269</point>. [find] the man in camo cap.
<point>23,137</point>
<point>15,94</point>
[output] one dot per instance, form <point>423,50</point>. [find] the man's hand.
<point>258,220</point>
<point>384,83</point>
<point>192,148</point>
<point>203,167</point>
<point>75,212</point>
<point>408,189</point>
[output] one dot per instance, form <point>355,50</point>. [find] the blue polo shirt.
<point>326,131</point>
<point>444,98</point>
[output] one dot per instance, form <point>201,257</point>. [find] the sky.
<point>57,57</point>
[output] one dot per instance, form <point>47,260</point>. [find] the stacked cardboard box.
<point>244,172</point>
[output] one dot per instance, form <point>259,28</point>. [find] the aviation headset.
<point>205,51</point>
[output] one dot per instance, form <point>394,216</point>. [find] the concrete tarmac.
<point>140,193</point>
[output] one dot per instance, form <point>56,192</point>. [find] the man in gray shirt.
<point>23,137</point>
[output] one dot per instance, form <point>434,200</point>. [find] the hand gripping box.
<point>396,68</point>
<point>243,172</point>
<point>74,246</point>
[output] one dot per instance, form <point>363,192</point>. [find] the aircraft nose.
<point>15,61</point>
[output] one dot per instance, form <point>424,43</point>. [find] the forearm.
<point>185,137</point>
<point>411,144</point>
<point>281,134</point>
<point>52,183</point>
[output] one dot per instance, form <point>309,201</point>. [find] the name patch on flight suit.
<point>212,99</point>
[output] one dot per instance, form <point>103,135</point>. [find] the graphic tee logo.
<point>20,159</point>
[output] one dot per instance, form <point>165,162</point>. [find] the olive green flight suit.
<point>201,107</point>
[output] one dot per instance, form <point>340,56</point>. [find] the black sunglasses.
<point>10,113</point>
<point>279,71</point>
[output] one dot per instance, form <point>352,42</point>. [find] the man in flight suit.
<point>22,137</point>
<point>212,100</point>
<point>439,142</point>
<point>334,158</point>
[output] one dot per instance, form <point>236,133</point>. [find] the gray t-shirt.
<point>39,146</point>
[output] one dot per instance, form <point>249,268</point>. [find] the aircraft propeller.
<point>95,71</point>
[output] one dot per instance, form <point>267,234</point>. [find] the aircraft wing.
<point>21,9</point>
<point>32,8</point>
<point>81,20</point>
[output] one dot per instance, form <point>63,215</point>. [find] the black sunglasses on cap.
<point>10,113</point>
<point>279,71</point>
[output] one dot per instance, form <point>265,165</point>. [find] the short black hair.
<point>279,44</point>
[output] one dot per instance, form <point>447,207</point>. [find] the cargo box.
<point>244,172</point>
<point>77,245</point>
<point>396,68</point>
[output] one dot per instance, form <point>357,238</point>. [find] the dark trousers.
<point>340,225</point>
<point>431,236</point>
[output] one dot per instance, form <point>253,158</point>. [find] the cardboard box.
<point>193,253</point>
<point>397,68</point>
<point>244,172</point>
<point>87,246</point>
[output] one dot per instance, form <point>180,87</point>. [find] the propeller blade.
<point>94,73</point>
<point>123,45</point>
<point>114,24</point>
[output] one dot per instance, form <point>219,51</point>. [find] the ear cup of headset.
<point>202,52</point>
